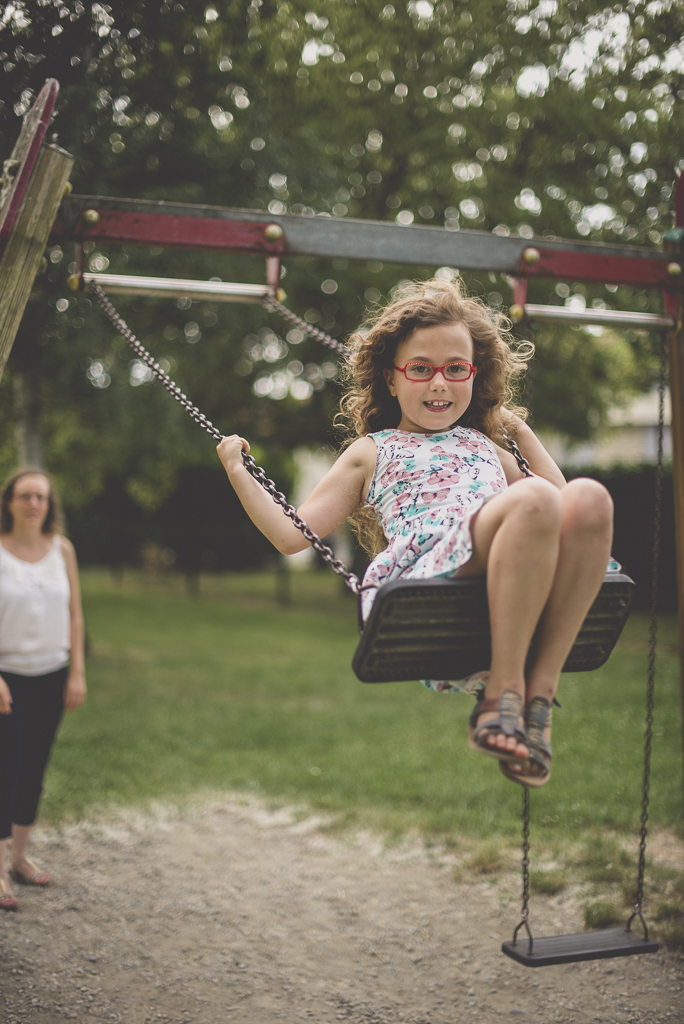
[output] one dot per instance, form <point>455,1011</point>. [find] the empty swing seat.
<point>570,949</point>
<point>439,629</point>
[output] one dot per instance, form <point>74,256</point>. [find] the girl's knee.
<point>539,502</point>
<point>587,504</point>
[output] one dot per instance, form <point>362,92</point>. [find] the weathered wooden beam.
<point>23,252</point>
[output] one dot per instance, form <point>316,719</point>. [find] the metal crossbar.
<point>606,317</point>
<point>174,288</point>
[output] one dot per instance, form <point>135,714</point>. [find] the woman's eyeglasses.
<point>423,371</point>
<point>40,499</point>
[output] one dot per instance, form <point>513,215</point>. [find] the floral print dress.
<point>426,488</point>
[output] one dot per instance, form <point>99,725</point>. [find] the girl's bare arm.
<point>541,463</point>
<point>328,505</point>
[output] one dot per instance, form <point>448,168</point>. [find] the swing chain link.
<point>326,553</point>
<point>652,642</point>
<point>512,446</point>
<point>524,920</point>
<point>274,306</point>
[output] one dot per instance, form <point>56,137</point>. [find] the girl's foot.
<point>27,873</point>
<point>8,901</point>
<point>497,728</point>
<point>536,770</point>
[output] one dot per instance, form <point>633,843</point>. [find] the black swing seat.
<point>569,949</point>
<point>439,629</point>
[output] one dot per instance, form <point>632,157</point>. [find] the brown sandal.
<point>35,877</point>
<point>536,769</point>
<point>8,901</point>
<point>508,723</point>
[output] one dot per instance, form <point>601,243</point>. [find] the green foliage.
<point>509,119</point>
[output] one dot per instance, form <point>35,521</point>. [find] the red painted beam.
<point>122,227</point>
<point>173,225</point>
<point>579,266</point>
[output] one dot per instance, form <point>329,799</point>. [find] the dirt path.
<point>235,915</point>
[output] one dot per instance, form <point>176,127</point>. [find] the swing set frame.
<point>36,209</point>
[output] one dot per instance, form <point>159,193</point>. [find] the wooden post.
<point>23,253</point>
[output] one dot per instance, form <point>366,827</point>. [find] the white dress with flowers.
<point>425,489</point>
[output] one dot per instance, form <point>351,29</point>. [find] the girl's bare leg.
<point>516,539</point>
<point>585,539</point>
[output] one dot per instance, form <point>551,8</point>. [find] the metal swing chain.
<point>652,641</point>
<point>524,921</point>
<point>274,306</point>
<point>512,445</point>
<point>257,472</point>
<point>650,689</point>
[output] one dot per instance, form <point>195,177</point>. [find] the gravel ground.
<point>227,912</point>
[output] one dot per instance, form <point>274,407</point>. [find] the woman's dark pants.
<point>26,738</point>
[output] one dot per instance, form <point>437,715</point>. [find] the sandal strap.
<point>34,871</point>
<point>510,711</point>
<point>537,719</point>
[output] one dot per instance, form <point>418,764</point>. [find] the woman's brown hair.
<point>368,405</point>
<point>54,520</point>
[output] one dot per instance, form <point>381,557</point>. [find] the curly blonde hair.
<point>368,405</point>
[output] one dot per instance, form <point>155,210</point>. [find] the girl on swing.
<point>428,401</point>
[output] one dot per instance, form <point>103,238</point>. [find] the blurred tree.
<point>555,119</point>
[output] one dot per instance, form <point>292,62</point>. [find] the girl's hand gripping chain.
<point>329,504</point>
<point>258,505</point>
<point>230,451</point>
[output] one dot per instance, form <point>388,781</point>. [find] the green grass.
<point>488,859</point>
<point>603,914</point>
<point>230,691</point>
<point>548,882</point>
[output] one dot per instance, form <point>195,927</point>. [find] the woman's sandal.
<point>34,877</point>
<point>508,723</point>
<point>535,771</point>
<point>8,901</point>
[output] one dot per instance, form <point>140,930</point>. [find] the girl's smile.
<point>432,405</point>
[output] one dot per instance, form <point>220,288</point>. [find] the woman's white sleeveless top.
<point>35,626</point>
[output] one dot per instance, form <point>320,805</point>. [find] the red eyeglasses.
<point>418,371</point>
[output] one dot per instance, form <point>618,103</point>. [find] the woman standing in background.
<point>41,658</point>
